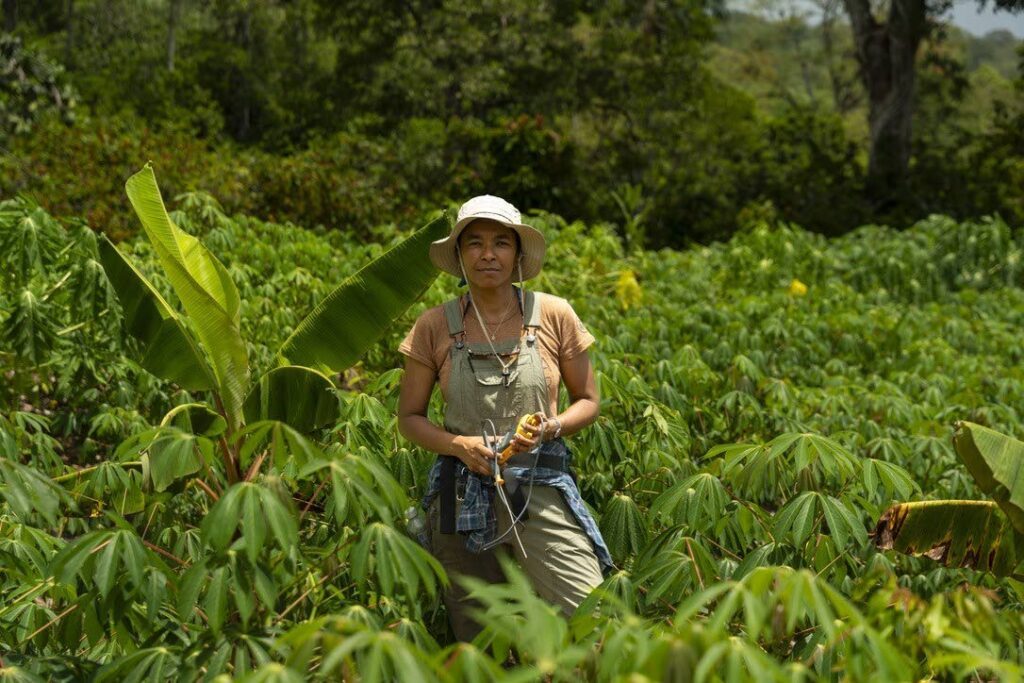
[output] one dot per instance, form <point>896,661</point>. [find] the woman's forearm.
<point>580,414</point>
<point>426,434</point>
<point>469,449</point>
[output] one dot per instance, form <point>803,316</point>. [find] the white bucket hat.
<point>443,253</point>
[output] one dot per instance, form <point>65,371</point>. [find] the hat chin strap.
<point>462,268</point>
<point>519,267</point>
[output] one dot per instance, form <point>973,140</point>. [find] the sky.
<point>967,16</point>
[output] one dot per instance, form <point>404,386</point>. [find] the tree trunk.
<point>172,28</point>
<point>886,53</point>
<point>10,15</point>
<point>845,95</point>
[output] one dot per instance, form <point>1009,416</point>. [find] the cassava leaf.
<point>174,454</point>
<point>623,526</point>
<point>250,510</point>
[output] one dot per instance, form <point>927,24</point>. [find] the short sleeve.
<point>574,337</point>
<point>419,343</point>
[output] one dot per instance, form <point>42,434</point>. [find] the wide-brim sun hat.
<point>443,253</point>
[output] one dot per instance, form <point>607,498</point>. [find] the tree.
<point>886,52</point>
<point>173,18</point>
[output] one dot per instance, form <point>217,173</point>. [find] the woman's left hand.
<point>521,444</point>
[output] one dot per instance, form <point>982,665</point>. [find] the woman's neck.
<point>492,302</point>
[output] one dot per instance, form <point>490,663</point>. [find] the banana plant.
<point>200,347</point>
<point>974,534</point>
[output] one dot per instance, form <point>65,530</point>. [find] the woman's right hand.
<point>474,454</point>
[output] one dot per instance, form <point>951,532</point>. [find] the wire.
<point>515,519</point>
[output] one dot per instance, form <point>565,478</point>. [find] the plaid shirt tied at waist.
<point>477,519</point>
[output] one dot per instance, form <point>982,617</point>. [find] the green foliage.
<point>202,347</point>
<point>168,349</point>
<point>352,114</point>
<point>356,314</point>
<point>32,87</point>
<point>205,290</point>
<point>750,432</point>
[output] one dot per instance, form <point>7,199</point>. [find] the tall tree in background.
<point>886,51</point>
<point>173,17</point>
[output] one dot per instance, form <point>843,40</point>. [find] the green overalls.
<point>559,557</point>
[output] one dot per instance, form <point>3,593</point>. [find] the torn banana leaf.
<point>972,534</point>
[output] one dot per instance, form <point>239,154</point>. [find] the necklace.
<point>497,326</point>
<point>504,366</point>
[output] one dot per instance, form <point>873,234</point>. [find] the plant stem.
<point>305,593</point>
<point>689,549</point>
<point>230,465</point>
<point>51,622</point>
<point>230,456</point>
<point>312,498</point>
<point>205,487</point>
<point>157,549</point>
<point>86,470</point>
<point>255,467</point>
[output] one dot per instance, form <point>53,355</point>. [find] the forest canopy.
<point>675,120</point>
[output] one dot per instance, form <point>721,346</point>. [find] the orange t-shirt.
<point>561,336</point>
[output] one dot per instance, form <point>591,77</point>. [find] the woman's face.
<point>489,253</point>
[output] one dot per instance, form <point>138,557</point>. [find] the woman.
<point>499,353</point>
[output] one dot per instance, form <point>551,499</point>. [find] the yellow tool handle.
<point>531,420</point>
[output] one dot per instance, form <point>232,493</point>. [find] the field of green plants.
<point>764,402</point>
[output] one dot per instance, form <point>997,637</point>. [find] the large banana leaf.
<point>996,462</point>
<point>355,315</point>
<point>168,349</point>
<point>201,282</point>
<point>957,533</point>
<point>300,397</point>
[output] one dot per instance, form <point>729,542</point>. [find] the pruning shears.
<point>504,447</point>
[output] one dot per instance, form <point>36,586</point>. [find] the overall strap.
<point>456,327</point>
<point>453,314</point>
<point>531,315</point>
<point>531,309</point>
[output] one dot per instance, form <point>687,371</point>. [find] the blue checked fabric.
<point>477,519</point>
